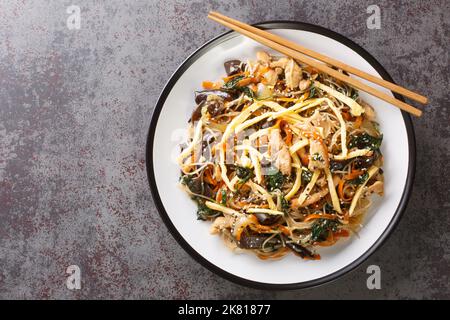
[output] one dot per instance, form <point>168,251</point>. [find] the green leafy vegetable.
<point>244,174</point>
<point>195,185</point>
<point>284,204</point>
<point>247,91</point>
<point>364,140</point>
<point>312,92</point>
<point>338,165</point>
<point>232,84</point>
<point>306,175</point>
<point>360,179</point>
<point>329,208</point>
<point>321,229</point>
<point>317,157</point>
<point>203,212</point>
<point>224,198</point>
<point>275,181</point>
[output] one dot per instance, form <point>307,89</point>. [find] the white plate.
<point>178,211</point>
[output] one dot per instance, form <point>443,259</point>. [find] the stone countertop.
<point>75,106</point>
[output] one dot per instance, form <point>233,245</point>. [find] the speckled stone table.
<point>75,106</point>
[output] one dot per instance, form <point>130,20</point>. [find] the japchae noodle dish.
<point>280,157</point>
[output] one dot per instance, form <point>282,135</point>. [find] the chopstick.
<point>290,49</point>
<point>386,84</point>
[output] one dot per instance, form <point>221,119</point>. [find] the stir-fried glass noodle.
<point>281,157</point>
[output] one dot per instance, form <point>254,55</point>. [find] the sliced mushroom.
<point>232,67</point>
<point>267,219</point>
<point>293,74</point>
<point>256,241</point>
<point>300,250</point>
<point>197,113</point>
<point>201,96</point>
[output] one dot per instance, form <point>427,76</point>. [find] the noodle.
<point>288,171</point>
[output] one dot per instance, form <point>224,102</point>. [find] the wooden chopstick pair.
<point>310,57</point>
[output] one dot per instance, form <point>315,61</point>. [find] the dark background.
<point>75,106</point>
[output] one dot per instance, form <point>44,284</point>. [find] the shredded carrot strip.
<point>346,115</point>
<point>303,156</point>
<point>319,216</point>
<point>208,178</point>
<point>246,82</point>
<point>226,79</point>
<point>288,132</point>
<point>285,230</point>
<point>354,174</point>
<point>342,233</point>
<point>209,85</point>
<point>264,70</point>
<point>358,122</point>
<point>341,189</point>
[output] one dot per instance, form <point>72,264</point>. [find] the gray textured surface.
<point>74,111</point>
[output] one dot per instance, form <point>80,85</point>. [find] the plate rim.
<point>278,24</point>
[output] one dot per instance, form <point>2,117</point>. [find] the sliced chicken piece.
<point>310,200</point>
<point>271,77</point>
<point>293,74</point>
<point>280,63</point>
<point>220,224</point>
<point>279,152</point>
<point>263,57</point>
<point>368,111</point>
<point>278,70</point>
<point>304,84</point>
<point>315,197</point>
<point>323,121</point>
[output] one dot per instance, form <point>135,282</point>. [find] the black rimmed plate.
<point>168,127</point>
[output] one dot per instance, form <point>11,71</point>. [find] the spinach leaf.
<point>224,198</point>
<point>329,208</point>
<point>203,212</point>
<point>306,175</point>
<point>365,140</point>
<point>321,229</point>
<point>338,165</point>
<point>312,92</point>
<point>195,185</point>
<point>275,181</point>
<point>247,91</point>
<point>284,204</point>
<point>317,157</point>
<point>360,179</point>
<point>232,84</point>
<point>244,174</point>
